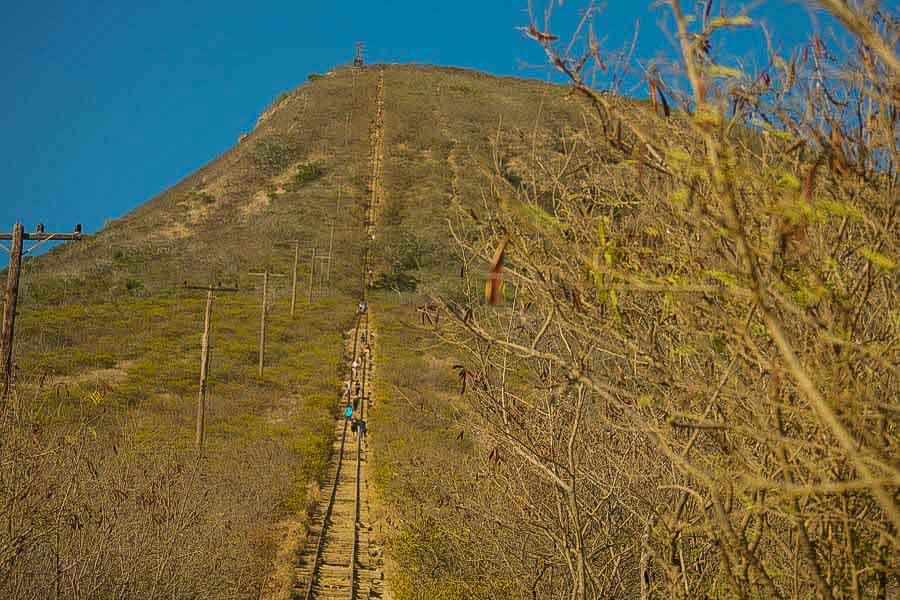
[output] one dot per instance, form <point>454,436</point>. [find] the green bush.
<point>396,281</point>
<point>307,172</point>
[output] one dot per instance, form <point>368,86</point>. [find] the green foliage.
<point>398,281</point>
<point>270,155</point>
<point>200,197</point>
<point>279,428</point>
<point>307,172</point>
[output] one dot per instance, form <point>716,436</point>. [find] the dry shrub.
<point>691,389</point>
<point>92,510</point>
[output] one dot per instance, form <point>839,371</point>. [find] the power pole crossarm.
<point>46,237</point>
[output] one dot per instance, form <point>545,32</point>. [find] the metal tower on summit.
<point>358,60</point>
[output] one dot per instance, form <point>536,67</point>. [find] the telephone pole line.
<point>204,359</point>
<point>11,299</point>
<point>265,309</point>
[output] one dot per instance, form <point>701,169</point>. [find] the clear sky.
<point>106,103</point>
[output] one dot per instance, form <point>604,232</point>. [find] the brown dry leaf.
<point>492,285</point>
<point>540,36</point>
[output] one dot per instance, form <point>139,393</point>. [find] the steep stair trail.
<point>376,178</point>
<point>343,557</point>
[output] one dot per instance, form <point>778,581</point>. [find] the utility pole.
<point>320,279</point>
<point>312,270</point>
<point>358,59</point>
<point>296,245</point>
<point>317,277</point>
<point>330,254</point>
<point>265,309</point>
<point>294,282</point>
<point>11,299</point>
<point>204,359</point>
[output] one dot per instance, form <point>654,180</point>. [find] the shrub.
<point>396,281</point>
<point>307,172</point>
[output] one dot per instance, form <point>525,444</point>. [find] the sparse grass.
<point>454,139</point>
<point>422,465</point>
<point>267,439</point>
<point>108,352</point>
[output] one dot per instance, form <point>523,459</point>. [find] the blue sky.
<point>106,103</point>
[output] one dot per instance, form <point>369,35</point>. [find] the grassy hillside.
<point>103,491</point>
<point>689,385</point>
<point>695,319</point>
<point>107,347</point>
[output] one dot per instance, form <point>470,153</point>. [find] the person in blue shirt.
<point>348,412</point>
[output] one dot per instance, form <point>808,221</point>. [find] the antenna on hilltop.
<point>358,60</point>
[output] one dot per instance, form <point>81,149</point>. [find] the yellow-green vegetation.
<point>104,494</point>
<point>688,387</point>
<point>424,467</point>
<point>107,421</point>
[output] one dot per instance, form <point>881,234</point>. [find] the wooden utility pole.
<point>296,245</point>
<point>312,271</point>
<point>294,282</point>
<point>265,309</point>
<point>330,254</point>
<point>317,276</point>
<point>204,359</point>
<point>11,299</point>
